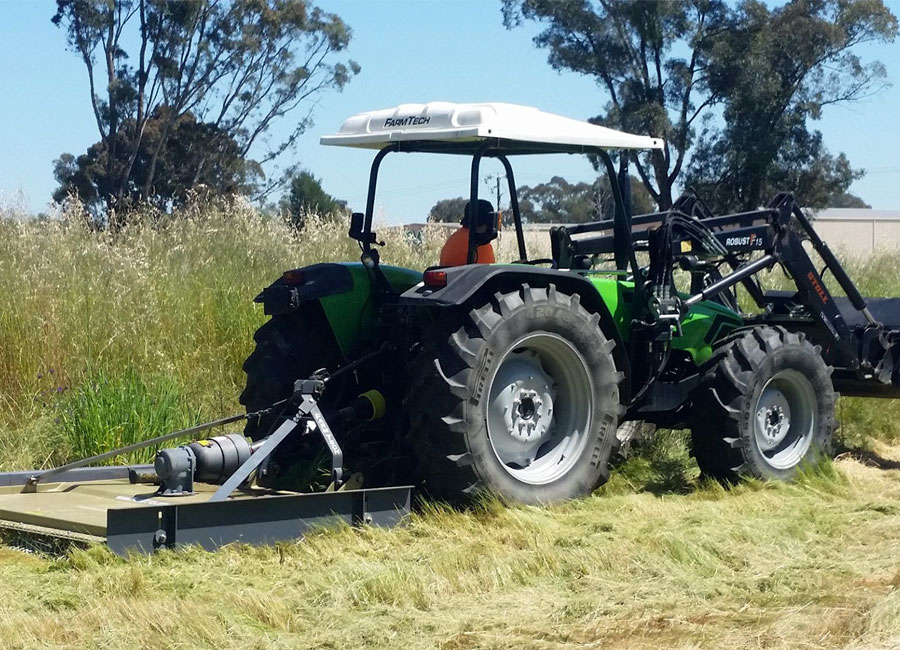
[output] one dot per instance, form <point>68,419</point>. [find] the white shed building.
<point>857,231</point>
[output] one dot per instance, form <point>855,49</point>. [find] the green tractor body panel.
<point>352,317</point>
<point>703,325</point>
<point>351,314</point>
<point>618,296</point>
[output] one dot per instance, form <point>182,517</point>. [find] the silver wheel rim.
<point>539,408</point>
<point>784,420</point>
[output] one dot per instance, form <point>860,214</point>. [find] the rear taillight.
<point>293,277</point>
<point>435,279</point>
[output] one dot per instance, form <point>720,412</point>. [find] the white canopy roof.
<point>445,122</point>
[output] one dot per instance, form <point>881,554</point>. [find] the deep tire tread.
<point>444,387</point>
<point>719,442</point>
<point>288,347</point>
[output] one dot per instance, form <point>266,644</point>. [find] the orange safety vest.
<point>456,251</point>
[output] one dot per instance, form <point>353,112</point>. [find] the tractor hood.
<point>463,128</point>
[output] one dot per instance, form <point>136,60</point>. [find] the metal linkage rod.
<point>260,455</point>
<point>308,409</point>
<point>31,485</point>
<point>836,268</point>
<point>732,279</point>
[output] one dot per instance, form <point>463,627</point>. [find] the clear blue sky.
<point>451,50</point>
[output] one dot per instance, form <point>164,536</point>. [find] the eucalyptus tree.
<point>237,66</point>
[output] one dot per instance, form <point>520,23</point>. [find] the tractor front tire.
<point>765,408</point>
<point>520,400</point>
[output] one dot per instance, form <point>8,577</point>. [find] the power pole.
<point>495,179</point>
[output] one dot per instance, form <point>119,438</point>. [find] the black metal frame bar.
<point>472,253</point>
<point>784,245</point>
<point>77,474</point>
<point>514,204</point>
<point>370,197</point>
<point>833,265</point>
<point>738,275</point>
<point>622,226</point>
<point>744,219</point>
<point>488,148</point>
<point>31,483</point>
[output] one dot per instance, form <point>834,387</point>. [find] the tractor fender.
<point>471,283</point>
<point>344,290</point>
<point>312,282</point>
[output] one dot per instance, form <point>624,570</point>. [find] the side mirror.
<point>356,224</point>
<point>357,221</point>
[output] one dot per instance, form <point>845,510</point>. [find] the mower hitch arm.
<point>308,390</point>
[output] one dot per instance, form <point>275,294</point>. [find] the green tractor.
<point>513,378</point>
<point>509,379</point>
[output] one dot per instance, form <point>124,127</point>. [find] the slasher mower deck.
<point>102,505</point>
<point>201,493</point>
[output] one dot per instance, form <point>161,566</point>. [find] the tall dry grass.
<point>109,337</point>
<point>106,338</point>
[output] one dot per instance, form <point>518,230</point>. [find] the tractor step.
<point>101,504</point>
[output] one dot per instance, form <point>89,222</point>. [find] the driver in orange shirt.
<point>456,250</point>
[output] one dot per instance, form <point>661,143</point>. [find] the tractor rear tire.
<point>766,407</point>
<point>288,347</point>
<point>520,400</point>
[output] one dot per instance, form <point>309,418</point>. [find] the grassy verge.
<point>111,337</point>
<point>812,564</point>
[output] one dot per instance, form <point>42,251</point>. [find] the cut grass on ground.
<point>815,564</point>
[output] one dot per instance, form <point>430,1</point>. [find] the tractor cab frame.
<point>491,130</point>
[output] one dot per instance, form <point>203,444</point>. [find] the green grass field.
<point>107,339</point>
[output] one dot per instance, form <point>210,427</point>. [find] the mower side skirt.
<point>259,520</point>
<point>100,504</point>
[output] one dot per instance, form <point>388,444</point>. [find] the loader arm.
<point>859,336</point>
